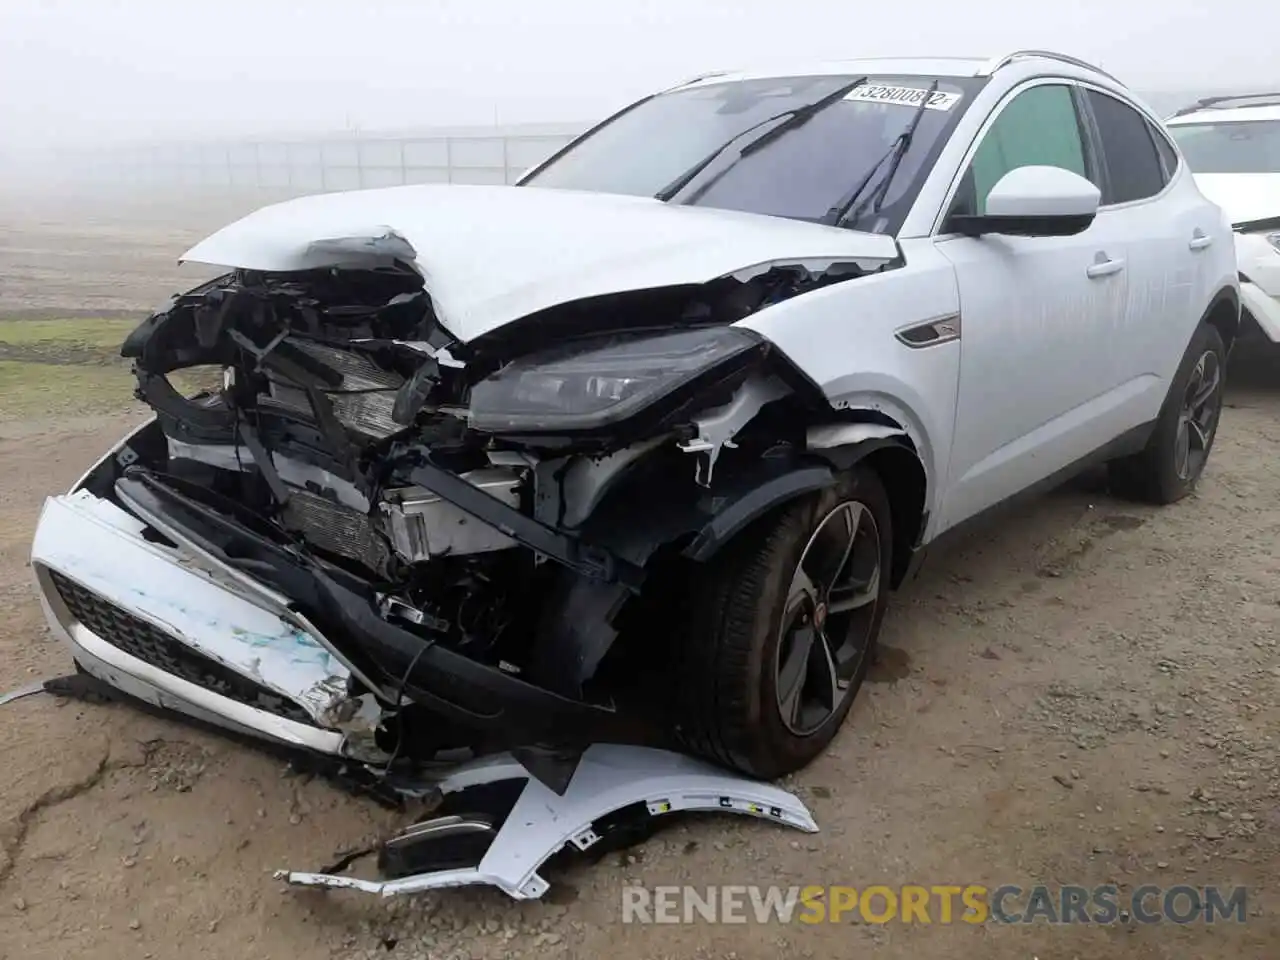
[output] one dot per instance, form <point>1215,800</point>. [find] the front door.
<point>1037,314</point>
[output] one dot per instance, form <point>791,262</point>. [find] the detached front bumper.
<point>147,619</point>
<point>147,603</point>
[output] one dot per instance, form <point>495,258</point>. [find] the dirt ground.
<point>1087,693</point>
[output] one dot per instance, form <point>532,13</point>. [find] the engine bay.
<point>412,492</point>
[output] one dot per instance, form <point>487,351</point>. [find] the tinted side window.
<point>1168,156</point>
<point>1038,127</point>
<point>1133,166</point>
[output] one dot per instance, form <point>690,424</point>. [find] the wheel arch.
<point>1223,314</point>
<point>894,458</point>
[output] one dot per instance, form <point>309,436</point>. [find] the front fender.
<point>848,339</point>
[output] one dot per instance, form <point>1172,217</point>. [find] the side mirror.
<point>1034,202</point>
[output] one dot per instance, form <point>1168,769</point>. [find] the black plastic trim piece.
<point>754,503</point>
<point>1257,226</point>
<point>975,226</point>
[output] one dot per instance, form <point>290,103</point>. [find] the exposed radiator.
<point>336,529</point>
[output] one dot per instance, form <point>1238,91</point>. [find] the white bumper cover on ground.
<point>91,556</point>
<point>609,778</point>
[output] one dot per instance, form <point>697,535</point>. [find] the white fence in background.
<point>347,161</point>
<point>338,164</point>
<point>481,155</point>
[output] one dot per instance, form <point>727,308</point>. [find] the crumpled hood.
<point>491,255</point>
<point>1243,196</point>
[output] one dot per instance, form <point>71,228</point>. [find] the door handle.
<point>1104,268</point>
<point>1200,241</point>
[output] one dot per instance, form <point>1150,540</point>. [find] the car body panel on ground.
<point>524,829</point>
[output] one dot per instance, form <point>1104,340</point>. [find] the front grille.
<point>151,645</point>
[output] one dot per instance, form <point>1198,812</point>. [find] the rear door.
<point>1169,232</point>
<point>1038,314</point>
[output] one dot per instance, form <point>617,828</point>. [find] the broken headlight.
<point>593,384</point>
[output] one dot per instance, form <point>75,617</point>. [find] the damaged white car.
<point>636,450</point>
<point>1232,144</point>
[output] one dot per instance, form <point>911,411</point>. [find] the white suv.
<point>668,419</point>
<point>1232,144</point>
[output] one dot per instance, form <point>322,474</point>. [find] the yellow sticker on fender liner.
<point>903,96</point>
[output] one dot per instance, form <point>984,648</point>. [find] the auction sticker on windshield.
<point>906,96</point>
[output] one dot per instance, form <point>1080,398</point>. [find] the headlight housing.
<point>593,384</point>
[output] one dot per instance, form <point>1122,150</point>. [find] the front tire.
<point>783,627</point>
<point>1170,465</point>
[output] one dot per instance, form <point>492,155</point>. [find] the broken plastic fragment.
<point>615,788</point>
<point>716,428</point>
<point>29,690</point>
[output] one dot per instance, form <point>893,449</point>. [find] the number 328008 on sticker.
<point>903,96</point>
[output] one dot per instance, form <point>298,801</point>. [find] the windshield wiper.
<point>790,120</point>
<point>841,211</point>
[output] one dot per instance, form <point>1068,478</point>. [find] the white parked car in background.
<point>682,408</point>
<point>1232,144</point>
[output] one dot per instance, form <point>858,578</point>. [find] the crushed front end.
<point>374,541</point>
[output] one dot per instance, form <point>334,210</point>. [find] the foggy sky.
<point>79,71</point>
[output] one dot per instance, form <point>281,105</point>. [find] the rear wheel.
<point>1170,465</point>
<point>783,628</point>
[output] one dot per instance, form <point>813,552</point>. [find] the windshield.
<point>1246,146</point>
<point>800,174</point>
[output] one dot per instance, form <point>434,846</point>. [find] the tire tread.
<point>717,687</point>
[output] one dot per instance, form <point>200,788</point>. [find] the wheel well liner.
<point>699,521</point>
<point>905,481</point>
<point>1223,313</point>
<point>755,503</point>
<point>701,527</point>
<point>893,458</point>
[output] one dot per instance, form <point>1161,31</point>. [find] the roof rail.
<point>997,62</point>
<point>697,79</point>
<point>1212,103</point>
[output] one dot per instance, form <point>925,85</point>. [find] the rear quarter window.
<point>1134,168</point>
<point>1168,155</point>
